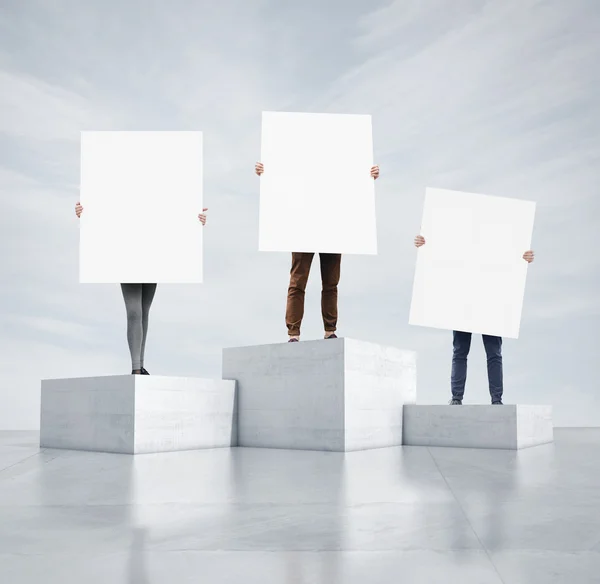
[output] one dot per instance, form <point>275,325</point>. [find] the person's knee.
<point>296,289</point>
<point>461,350</point>
<point>134,316</point>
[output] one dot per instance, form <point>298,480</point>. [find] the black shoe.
<point>144,372</point>
<point>455,402</point>
<point>293,340</point>
<point>497,403</point>
<point>134,373</point>
<point>333,336</point>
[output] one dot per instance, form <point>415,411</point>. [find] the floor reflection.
<point>137,571</point>
<point>282,517</point>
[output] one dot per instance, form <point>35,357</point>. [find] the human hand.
<point>259,168</point>
<point>528,256</point>
<point>375,172</point>
<point>419,240</point>
<point>202,216</point>
<point>78,209</point>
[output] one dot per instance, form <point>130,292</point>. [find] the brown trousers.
<point>330,277</point>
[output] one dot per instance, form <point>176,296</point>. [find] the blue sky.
<point>494,97</point>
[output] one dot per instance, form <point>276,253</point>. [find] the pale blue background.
<point>482,96</point>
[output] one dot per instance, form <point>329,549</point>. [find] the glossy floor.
<point>408,514</point>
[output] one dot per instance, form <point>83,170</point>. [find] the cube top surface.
<point>465,407</point>
<point>333,344</point>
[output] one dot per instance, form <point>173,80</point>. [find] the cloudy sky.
<point>484,96</point>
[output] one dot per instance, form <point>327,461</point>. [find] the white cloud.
<point>34,110</point>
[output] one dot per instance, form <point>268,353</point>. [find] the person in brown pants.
<point>330,277</point>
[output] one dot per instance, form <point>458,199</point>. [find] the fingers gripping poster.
<point>141,194</point>
<point>470,275</point>
<point>316,192</point>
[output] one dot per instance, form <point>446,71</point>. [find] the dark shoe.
<point>455,402</point>
<point>497,403</point>
<point>134,373</point>
<point>293,340</point>
<point>144,372</point>
<point>333,336</point>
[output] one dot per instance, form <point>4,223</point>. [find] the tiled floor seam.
<point>7,468</point>
<point>487,552</point>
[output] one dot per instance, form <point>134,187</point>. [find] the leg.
<point>295,300</point>
<point>493,351</point>
<point>132,294</point>
<point>148,291</point>
<point>330,277</point>
<point>462,345</point>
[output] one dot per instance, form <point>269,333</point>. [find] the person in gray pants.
<point>138,299</point>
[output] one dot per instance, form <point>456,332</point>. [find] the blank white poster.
<point>141,194</point>
<point>317,193</point>
<point>470,274</point>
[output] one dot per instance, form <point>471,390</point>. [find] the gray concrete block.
<point>509,427</point>
<point>335,394</point>
<point>137,414</point>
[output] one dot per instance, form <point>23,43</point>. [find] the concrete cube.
<point>330,394</point>
<point>137,414</point>
<point>509,427</point>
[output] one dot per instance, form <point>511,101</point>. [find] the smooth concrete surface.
<point>259,516</point>
<point>137,414</point>
<point>478,426</point>
<point>333,395</point>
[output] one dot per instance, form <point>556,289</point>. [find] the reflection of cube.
<point>478,426</point>
<point>470,275</point>
<point>136,414</point>
<point>141,193</point>
<point>335,394</point>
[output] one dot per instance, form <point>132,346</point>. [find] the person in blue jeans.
<point>462,345</point>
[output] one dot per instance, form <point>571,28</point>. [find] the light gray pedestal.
<point>137,414</point>
<point>478,426</point>
<point>334,394</point>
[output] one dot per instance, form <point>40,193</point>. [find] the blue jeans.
<point>493,350</point>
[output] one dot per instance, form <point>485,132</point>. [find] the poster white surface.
<point>470,275</point>
<point>316,193</point>
<point>141,194</point>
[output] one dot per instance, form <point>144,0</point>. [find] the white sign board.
<point>317,193</point>
<point>470,274</point>
<point>141,194</point>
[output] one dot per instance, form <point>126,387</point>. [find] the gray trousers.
<point>138,299</point>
